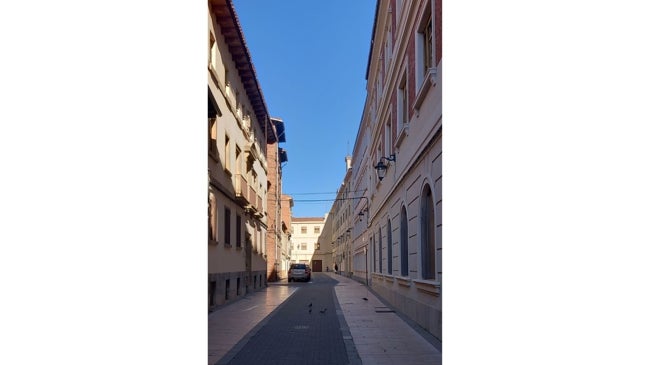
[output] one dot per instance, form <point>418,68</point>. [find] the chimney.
<point>348,162</point>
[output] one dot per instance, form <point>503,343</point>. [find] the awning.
<point>279,128</point>
<point>283,155</point>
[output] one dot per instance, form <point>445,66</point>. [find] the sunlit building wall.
<point>341,220</point>
<point>276,157</point>
<point>286,210</point>
<point>307,249</point>
<point>239,129</point>
<point>397,243</point>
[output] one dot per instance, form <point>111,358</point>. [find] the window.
<point>403,242</point>
<point>428,44</point>
<point>402,104</point>
<point>238,160</point>
<point>212,136</point>
<point>237,104</point>
<point>381,255</point>
<point>316,229</point>
<point>317,246</point>
<point>424,48</point>
<point>427,234</point>
<point>303,246</point>
<point>373,242</point>
<point>214,53</point>
<point>238,231</point>
<point>258,238</point>
<point>388,137</point>
<point>389,247</point>
<point>388,47</point>
<point>424,57</point>
<point>379,87</point>
<point>303,229</point>
<point>226,226</point>
<point>212,218</point>
<point>226,80</point>
<point>211,291</point>
<point>227,154</point>
<point>398,7</point>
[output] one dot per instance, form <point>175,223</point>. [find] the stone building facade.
<point>307,247</point>
<point>397,163</point>
<point>239,131</point>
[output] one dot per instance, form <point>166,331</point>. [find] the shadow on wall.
<point>273,276</point>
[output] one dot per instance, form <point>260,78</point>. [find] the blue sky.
<point>311,58</point>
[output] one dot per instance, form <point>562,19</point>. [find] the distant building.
<point>397,235</point>
<point>307,248</point>
<point>341,223</point>
<point>239,130</point>
<point>286,247</point>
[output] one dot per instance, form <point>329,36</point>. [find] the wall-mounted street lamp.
<point>365,210</point>
<point>381,167</point>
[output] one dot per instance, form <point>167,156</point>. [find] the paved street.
<point>298,333</point>
<point>346,325</point>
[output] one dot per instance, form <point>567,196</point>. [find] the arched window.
<point>381,252</point>
<point>403,242</point>
<point>389,247</point>
<point>427,234</point>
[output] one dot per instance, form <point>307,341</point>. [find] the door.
<point>317,265</point>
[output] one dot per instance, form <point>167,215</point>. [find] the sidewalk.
<point>228,325</point>
<point>379,335</point>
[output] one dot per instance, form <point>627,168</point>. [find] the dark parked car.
<point>299,272</point>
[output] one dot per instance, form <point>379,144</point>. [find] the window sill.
<point>402,134</point>
<point>403,281</point>
<point>384,277</point>
<point>426,85</point>
<point>213,242</point>
<point>239,248</point>
<point>428,286</point>
<point>227,245</point>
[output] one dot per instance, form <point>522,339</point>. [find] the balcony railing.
<point>242,189</point>
<point>252,197</point>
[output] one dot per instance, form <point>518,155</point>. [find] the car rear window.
<point>298,266</point>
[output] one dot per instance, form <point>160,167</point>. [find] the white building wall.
<point>418,152</point>
<point>242,261</point>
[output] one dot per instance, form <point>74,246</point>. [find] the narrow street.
<point>304,329</point>
<point>275,326</point>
